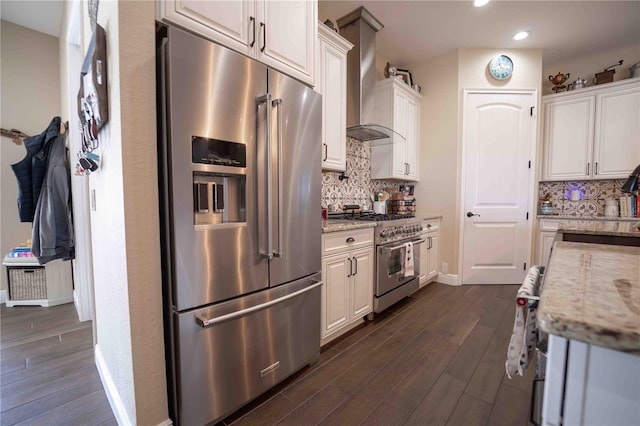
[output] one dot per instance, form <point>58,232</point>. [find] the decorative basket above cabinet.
<point>592,133</point>
<point>281,34</point>
<point>331,83</point>
<point>397,107</point>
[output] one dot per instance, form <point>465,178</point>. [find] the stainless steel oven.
<point>393,282</point>
<point>391,266</point>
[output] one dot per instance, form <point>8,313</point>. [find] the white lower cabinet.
<point>347,291</point>
<point>590,385</point>
<point>547,229</point>
<point>429,251</point>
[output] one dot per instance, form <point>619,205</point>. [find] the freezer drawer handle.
<point>208,322</point>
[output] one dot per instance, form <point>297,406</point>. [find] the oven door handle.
<point>420,241</point>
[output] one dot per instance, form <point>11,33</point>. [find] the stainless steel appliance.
<point>392,280</point>
<point>239,174</point>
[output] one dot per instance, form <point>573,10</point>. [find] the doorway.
<point>499,130</point>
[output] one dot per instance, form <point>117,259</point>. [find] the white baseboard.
<point>117,406</point>
<point>3,296</point>
<point>449,279</point>
<point>115,401</point>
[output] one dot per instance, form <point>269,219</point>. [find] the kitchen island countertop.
<point>591,294</point>
<point>597,227</point>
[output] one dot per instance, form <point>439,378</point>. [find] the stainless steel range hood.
<point>360,27</point>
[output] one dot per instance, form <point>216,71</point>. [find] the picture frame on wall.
<point>406,76</point>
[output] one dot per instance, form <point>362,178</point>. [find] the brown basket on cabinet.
<point>27,284</point>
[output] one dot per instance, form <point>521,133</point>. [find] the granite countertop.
<point>593,227</point>
<point>591,293</point>
<point>335,225</point>
<point>587,218</point>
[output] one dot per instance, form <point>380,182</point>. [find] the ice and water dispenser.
<point>219,188</point>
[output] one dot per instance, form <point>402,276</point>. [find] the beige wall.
<point>443,80</point>
<point>30,87</point>
<point>436,192</point>
<point>125,223</point>
<point>586,67</point>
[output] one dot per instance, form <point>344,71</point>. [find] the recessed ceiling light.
<point>521,35</point>
<point>480,3</point>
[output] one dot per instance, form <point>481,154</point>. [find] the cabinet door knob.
<point>351,240</point>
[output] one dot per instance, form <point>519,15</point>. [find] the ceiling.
<point>417,30</point>
<point>42,16</point>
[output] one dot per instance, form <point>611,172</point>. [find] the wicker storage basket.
<point>27,283</point>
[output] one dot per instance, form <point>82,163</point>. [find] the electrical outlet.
<point>445,268</point>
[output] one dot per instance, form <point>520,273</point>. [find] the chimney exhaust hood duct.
<point>360,27</point>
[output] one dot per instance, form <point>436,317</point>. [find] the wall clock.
<point>501,67</point>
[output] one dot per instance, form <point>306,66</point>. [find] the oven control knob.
<point>420,227</point>
<point>384,234</point>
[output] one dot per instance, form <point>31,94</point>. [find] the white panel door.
<point>231,23</point>
<point>362,288</point>
<point>335,292</point>
<point>499,135</point>
<point>617,138</point>
<point>287,32</point>
<point>568,137</point>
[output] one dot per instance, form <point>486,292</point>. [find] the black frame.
<point>406,76</point>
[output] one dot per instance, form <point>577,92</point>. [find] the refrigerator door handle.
<point>266,99</point>
<point>208,322</point>
<point>278,104</point>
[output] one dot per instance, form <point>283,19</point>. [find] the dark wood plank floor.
<point>47,370</point>
<point>436,358</point>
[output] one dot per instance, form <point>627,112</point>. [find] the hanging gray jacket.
<point>31,169</point>
<point>52,234</point>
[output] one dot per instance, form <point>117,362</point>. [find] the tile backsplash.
<point>359,187</point>
<point>592,196</point>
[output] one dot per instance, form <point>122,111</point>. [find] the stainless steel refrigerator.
<point>240,175</point>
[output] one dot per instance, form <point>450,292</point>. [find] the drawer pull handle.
<point>428,225</point>
<point>351,240</point>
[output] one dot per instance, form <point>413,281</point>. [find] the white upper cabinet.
<point>397,107</point>
<point>331,83</point>
<point>281,34</point>
<point>288,37</point>
<point>617,135</point>
<point>592,133</point>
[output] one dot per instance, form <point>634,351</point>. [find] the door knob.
<point>471,214</point>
